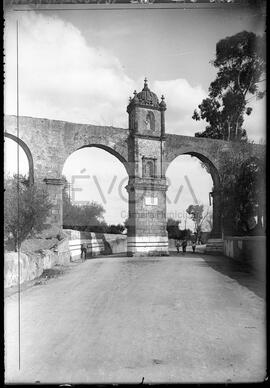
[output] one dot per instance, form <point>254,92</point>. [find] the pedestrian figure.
<point>193,246</point>
<point>177,244</point>
<point>83,251</point>
<point>184,245</point>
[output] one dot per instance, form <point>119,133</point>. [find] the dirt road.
<point>172,319</point>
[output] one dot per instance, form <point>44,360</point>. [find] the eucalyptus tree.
<point>240,62</point>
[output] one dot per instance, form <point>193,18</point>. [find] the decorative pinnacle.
<point>162,97</point>
<point>135,93</point>
<point>145,82</point>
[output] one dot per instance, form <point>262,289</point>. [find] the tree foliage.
<point>240,60</point>
<point>242,180</point>
<point>196,214</point>
<point>26,208</point>
<point>90,214</point>
<point>88,217</point>
<point>115,229</point>
<point>200,216</point>
<point>175,233</point>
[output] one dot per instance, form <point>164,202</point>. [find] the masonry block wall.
<point>249,250</point>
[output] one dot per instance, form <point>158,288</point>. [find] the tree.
<point>26,208</point>
<point>87,217</point>
<point>198,215</point>
<point>172,229</point>
<point>242,181</point>
<point>174,232</point>
<point>116,229</point>
<point>240,60</point>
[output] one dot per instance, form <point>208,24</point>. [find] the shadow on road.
<point>237,271</point>
<point>102,256</point>
<point>225,265</point>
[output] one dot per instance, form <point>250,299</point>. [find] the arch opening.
<point>193,207</point>
<point>108,150</point>
<point>209,167</point>
<point>96,177</point>
<point>26,165</point>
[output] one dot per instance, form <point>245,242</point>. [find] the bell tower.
<point>147,234</point>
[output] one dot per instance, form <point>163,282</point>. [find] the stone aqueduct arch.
<point>48,143</point>
<point>27,152</point>
<point>51,142</point>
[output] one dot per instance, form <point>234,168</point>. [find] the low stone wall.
<point>97,243</point>
<point>32,265</point>
<point>249,250</point>
<point>118,244</point>
<point>69,249</point>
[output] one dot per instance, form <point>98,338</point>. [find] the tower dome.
<point>146,97</point>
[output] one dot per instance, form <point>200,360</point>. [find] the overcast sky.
<point>81,66</point>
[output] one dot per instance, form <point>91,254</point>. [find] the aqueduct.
<point>144,149</point>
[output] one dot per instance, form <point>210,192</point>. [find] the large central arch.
<point>55,184</point>
<point>96,173</point>
<point>215,193</point>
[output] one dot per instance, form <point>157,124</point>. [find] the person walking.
<point>83,251</point>
<point>184,245</point>
<point>193,246</point>
<point>177,244</point>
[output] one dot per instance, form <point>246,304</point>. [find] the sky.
<point>82,66</point>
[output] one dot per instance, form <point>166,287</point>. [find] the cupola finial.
<point>162,104</point>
